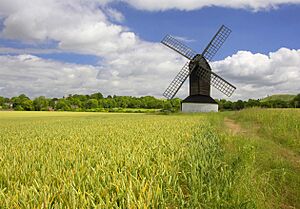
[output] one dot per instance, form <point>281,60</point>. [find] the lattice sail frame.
<point>179,47</point>
<point>177,82</point>
<point>216,81</point>
<point>216,43</point>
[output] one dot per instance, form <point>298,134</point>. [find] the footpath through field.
<point>235,128</point>
<point>277,163</point>
<point>232,126</point>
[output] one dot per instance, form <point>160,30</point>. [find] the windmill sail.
<point>199,70</point>
<point>177,82</point>
<point>216,43</point>
<point>216,81</point>
<point>179,47</point>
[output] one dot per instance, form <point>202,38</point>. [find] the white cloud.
<point>158,5</point>
<point>183,39</point>
<point>258,75</point>
<point>147,71</point>
<point>115,15</point>
<point>77,26</point>
<point>35,76</point>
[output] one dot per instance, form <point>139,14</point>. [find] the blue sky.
<point>113,47</point>
<point>258,32</point>
<point>261,31</point>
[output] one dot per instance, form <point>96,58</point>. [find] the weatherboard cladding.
<point>199,85</point>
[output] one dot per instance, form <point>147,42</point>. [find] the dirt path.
<point>233,127</point>
<point>236,129</point>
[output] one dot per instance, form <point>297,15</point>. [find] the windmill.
<point>200,74</point>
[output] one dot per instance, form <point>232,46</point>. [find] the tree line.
<point>277,103</point>
<point>97,102</point>
<point>94,102</point>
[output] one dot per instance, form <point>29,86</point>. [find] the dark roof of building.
<point>199,99</point>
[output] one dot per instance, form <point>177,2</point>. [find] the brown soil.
<point>233,127</point>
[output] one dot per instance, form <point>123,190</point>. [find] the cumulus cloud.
<point>255,75</point>
<point>255,5</point>
<point>35,76</point>
<point>147,69</point>
<point>78,26</point>
<point>259,75</point>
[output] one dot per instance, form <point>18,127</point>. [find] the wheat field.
<point>105,160</point>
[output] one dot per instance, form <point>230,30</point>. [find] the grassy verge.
<point>274,138</point>
<point>282,126</point>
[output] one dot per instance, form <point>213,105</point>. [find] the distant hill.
<point>283,97</point>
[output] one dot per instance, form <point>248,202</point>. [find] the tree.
<point>175,104</point>
<point>149,102</point>
<point>265,104</point>
<point>27,105</point>
<point>17,101</point>
<point>5,103</point>
<point>41,103</point>
<point>279,104</point>
<point>97,96</point>
<point>221,103</point>
<point>167,105</point>
<point>91,103</point>
<point>238,105</point>
<point>252,103</point>
<point>82,98</point>
<point>2,99</point>
<point>228,105</point>
<point>75,102</point>
<point>122,102</point>
<point>134,103</point>
<point>296,101</point>
<point>18,108</point>
<point>22,102</point>
<point>63,105</point>
<point>53,102</point>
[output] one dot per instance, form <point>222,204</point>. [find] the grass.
<point>124,110</point>
<point>279,125</point>
<point>283,97</point>
<point>104,160</point>
<point>275,136</point>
